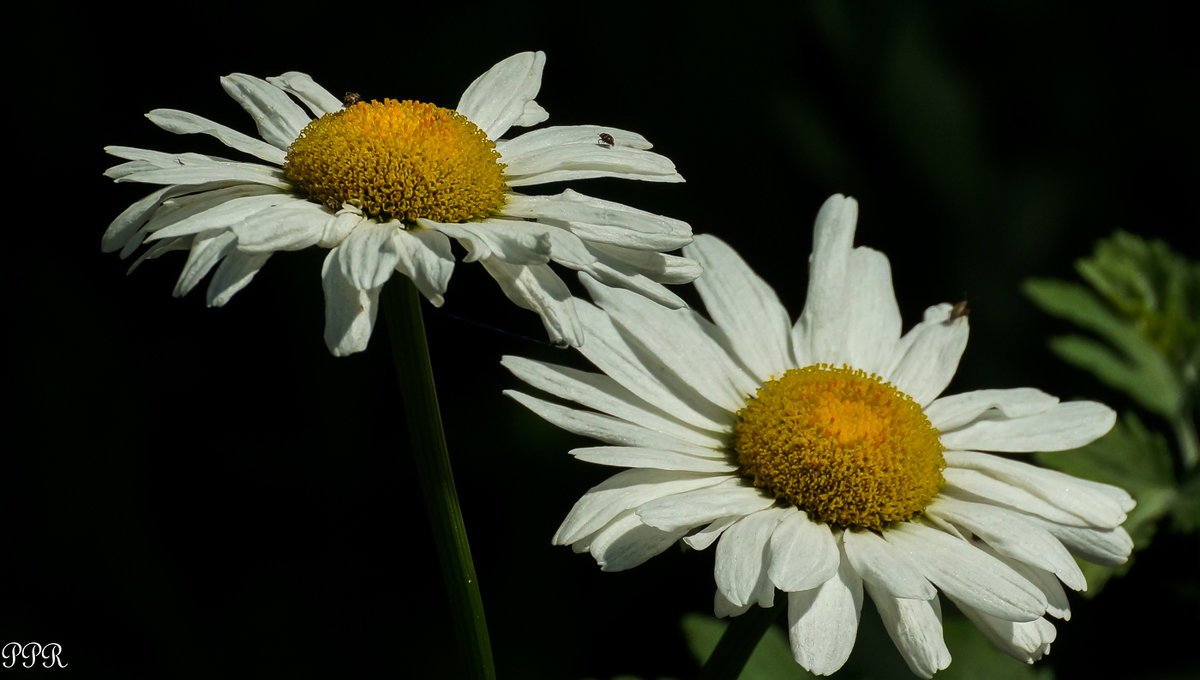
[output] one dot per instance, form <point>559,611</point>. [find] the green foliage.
<point>771,659</point>
<point>1143,309</point>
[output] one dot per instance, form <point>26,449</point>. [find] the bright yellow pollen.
<point>399,160</point>
<point>842,445</point>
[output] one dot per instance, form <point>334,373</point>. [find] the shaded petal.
<point>704,537</point>
<point>182,122</point>
<point>823,622</point>
<point>915,627</point>
<point>1059,428</point>
<point>1025,641</point>
<point>424,256</point>
<point>804,553</point>
<point>872,312</point>
<point>292,225</point>
<point>876,562</point>
<point>602,393</point>
<point>318,100</point>
<point>821,331</point>
<point>279,119</point>
<point>156,167</point>
<point>624,491</point>
<point>1106,547</point>
<point>952,412</point>
<point>234,273</point>
<point>207,250</point>
<point>659,459</point>
<point>503,95</point>
<point>538,289</point>
<point>927,356</point>
<point>744,307</point>
<point>1101,505</point>
<point>369,254</point>
<point>556,154</point>
<point>741,560</point>
<point>626,542</point>
<point>512,242</point>
<point>1010,534</point>
<point>349,311</point>
<point>967,573</point>
<point>693,508</point>
<point>677,341</point>
<point>605,428</point>
<point>974,485</point>
<point>594,219</point>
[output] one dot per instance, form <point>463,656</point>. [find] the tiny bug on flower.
<point>605,140</point>
<point>350,98</point>
<point>959,309</point>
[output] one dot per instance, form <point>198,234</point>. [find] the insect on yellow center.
<point>842,445</point>
<point>399,160</point>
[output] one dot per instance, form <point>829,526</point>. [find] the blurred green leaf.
<point>771,659</point>
<point>975,658</point>
<point>1136,459</point>
<point>1137,367</point>
<point>1152,287</point>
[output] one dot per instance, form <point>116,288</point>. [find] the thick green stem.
<point>738,642</point>
<point>402,309</point>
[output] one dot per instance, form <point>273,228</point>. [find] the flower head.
<point>821,460</point>
<point>386,185</point>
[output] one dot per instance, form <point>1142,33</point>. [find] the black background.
<point>192,492</point>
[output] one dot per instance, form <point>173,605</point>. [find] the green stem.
<point>738,642</point>
<point>402,309</point>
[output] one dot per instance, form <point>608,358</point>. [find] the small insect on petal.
<point>606,140</point>
<point>350,98</point>
<point>959,309</point>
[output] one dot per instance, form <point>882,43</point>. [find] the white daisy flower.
<point>820,459</point>
<point>386,186</point>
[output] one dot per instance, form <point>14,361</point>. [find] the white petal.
<point>213,210</point>
<point>339,227</point>
<point>182,122</point>
<point>661,459</point>
<point>952,412</point>
<point>804,553</point>
<point>694,508</point>
<point>1106,547</point>
<point>741,560</point>
<point>349,311</point>
<point>820,332</point>
<point>501,97</point>
<point>207,250</point>
<point>318,100</point>
<point>723,608</point>
<point>872,312</point>
<point>594,219</point>
<point>700,539</point>
<point>506,240</point>
<point>967,573</point>
<point>1025,641</point>
<point>1059,428</point>
<point>617,353</point>
<point>602,393</point>
<point>155,167</point>
<point>623,491</point>
<point>927,356</point>
<point>823,622</point>
<point>915,627</point>
<point>538,289</point>
<point>677,341</point>
<point>1100,505</point>
<point>605,428</point>
<point>293,225</point>
<point>556,154</point>
<point>424,256</point>
<point>369,254</point>
<point>1057,604</point>
<point>656,266</point>
<point>279,119</point>
<point>744,307</point>
<point>234,273</point>
<point>1010,534</point>
<point>876,562</point>
<point>626,542</point>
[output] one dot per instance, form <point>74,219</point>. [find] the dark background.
<point>192,492</point>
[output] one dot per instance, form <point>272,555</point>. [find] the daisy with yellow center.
<point>386,185</point>
<point>821,460</point>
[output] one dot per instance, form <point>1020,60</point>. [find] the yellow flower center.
<point>842,445</point>
<point>399,160</point>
